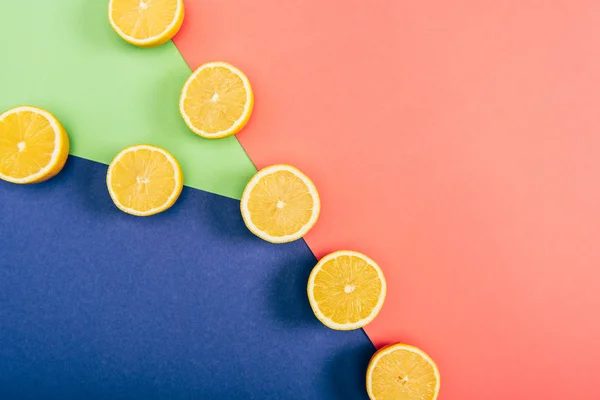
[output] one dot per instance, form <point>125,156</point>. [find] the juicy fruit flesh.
<point>347,289</point>
<point>27,141</point>
<point>215,100</point>
<point>143,18</point>
<point>403,375</point>
<point>280,204</point>
<point>143,179</point>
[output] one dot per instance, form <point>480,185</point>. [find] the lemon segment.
<point>280,204</point>
<point>402,372</point>
<point>144,180</point>
<point>216,100</point>
<point>346,290</point>
<point>33,145</point>
<point>146,23</point>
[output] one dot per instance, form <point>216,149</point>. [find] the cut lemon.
<point>280,204</point>
<point>402,372</point>
<point>144,180</point>
<point>346,290</point>
<point>216,101</point>
<point>33,145</point>
<point>146,23</point>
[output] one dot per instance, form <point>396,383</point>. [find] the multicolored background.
<point>455,142</point>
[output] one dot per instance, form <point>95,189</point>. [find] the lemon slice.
<point>346,290</point>
<point>144,180</point>
<point>280,204</point>
<point>33,145</point>
<point>216,101</point>
<point>146,23</point>
<point>402,372</point>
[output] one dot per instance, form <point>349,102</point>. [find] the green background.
<point>62,55</point>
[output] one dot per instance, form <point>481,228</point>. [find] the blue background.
<point>187,304</point>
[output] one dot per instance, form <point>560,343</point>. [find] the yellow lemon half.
<point>216,101</point>
<point>146,23</point>
<point>144,180</point>
<point>280,204</point>
<point>33,145</point>
<point>402,372</point>
<point>346,290</point>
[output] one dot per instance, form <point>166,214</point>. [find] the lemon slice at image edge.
<point>146,23</point>
<point>216,100</point>
<point>33,145</point>
<point>144,180</point>
<point>402,372</point>
<point>346,290</point>
<point>280,204</point>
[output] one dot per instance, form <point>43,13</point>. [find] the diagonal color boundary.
<point>108,94</point>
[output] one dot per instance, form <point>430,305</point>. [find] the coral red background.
<point>456,143</point>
